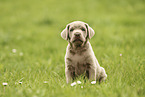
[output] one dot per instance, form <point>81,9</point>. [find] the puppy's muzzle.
<point>77,34</point>
<point>77,37</point>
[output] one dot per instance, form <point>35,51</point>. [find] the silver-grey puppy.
<point>80,58</point>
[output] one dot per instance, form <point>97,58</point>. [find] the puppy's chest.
<point>79,63</point>
<point>78,59</point>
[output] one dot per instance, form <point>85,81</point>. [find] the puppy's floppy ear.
<point>90,31</point>
<point>65,33</point>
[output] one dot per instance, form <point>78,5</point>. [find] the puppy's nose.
<point>77,34</point>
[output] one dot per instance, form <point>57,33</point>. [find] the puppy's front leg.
<point>68,76</point>
<point>69,73</point>
<point>92,74</point>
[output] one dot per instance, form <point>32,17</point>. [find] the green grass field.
<point>33,27</point>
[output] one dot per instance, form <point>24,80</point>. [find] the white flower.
<point>21,53</point>
<point>5,84</point>
<point>93,82</point>
<point>45,82</point>
<point>20,82</point>
<point>120,54</point>
<point>73,84</point>
<point>14,50</point>
<point>82,87</point>
<point>79,82</point>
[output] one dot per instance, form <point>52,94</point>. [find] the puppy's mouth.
<point>77,40</point>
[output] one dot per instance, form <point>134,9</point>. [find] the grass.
<point>33,28</point>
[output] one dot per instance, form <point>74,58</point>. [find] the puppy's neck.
<point>79,48</point>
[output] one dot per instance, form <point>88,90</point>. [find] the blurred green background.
<point>33,27</point>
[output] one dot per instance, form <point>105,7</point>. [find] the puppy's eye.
<point>83,29</point>
<point>71,29</point>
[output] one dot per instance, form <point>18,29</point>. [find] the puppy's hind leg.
<point>103,75</point>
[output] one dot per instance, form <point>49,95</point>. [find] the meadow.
<point>32,50</point>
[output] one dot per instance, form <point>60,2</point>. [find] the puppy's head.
<point>77,33</point>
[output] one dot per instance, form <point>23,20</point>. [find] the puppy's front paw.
<point>93,82</point>
<point>73,84</point>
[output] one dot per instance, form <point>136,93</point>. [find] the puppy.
<point>80,58</point>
